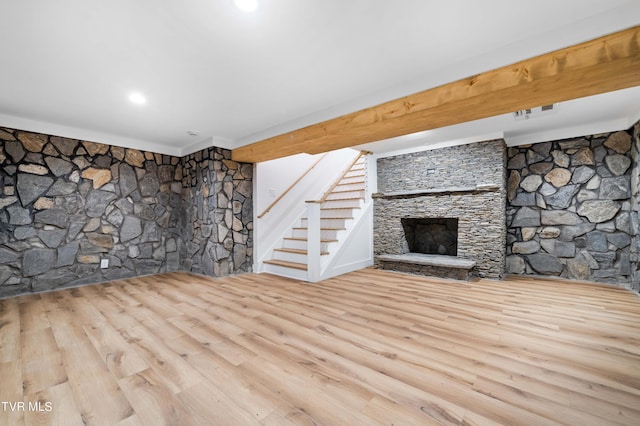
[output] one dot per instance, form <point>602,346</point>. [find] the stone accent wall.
<point>220,213</point>
<point>456,166</point>
<point>569,204</point>
<point>66,204</point>
<point>635,209</point>
<point>481,214</point>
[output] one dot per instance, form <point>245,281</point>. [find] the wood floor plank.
<point>152,401</point>
<point>369,347</point>
<point>9,330</point>
<point>96,391</point>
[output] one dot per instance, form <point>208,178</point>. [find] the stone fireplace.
<point>457,193</point>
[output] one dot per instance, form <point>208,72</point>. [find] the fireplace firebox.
<point>431,235</point>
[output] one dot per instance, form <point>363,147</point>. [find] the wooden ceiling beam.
<point>598,66</point>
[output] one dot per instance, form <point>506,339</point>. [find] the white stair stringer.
<point>342,213</point>
<point>355,251</point>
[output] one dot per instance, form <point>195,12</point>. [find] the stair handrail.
<point>286,191</point>
<point>342,175</point>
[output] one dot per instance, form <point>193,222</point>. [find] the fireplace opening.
<point>431,235</point>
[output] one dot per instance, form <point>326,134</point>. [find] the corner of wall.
<point>67,205</point>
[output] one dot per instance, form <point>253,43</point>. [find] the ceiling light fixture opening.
<point>137,98</point>
<point>193,132</point>
<point>246,5</point>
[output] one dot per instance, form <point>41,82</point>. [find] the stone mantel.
<point>437,191</point>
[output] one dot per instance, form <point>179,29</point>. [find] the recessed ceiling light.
<point>246,5</point>
<point>137,98</point>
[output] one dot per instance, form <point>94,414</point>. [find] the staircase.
<point>338,208</point>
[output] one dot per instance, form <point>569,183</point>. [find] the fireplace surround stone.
<point>465,182</point>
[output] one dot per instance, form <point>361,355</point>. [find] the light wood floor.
<point>370,347</point>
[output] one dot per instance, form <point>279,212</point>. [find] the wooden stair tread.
<point>351,183</point>
<point>286,264</point>
<point>298,251</point>
<point>322,229</point>
<point>343,199</point>
<point>304,239</point>
<point>338,208</point>
<point>347,190</point>
<point>330,218</point>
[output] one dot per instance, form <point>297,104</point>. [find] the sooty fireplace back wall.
<point>464,182</point>
<point>431,235</point>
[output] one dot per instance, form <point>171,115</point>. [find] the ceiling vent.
<point>526,114</point>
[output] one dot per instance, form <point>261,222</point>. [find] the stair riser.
<point>343,195</point>
<point>327,223</point>
<point>285,272</point>
<point>351,187</point>
<point>302,245</point>
<point>324,234</point>
<point>290,257</point>
<point>340,213</point>
<point>356,179</point>
<point>341,204</point>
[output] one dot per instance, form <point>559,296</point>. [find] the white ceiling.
<point>67,67</point>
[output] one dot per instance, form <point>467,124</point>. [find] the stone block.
<point>583,157</point>
<point>51,238</point>
<point>33,142</point>
<point>558,177</point>
<point>564,249</point>
<point>30,187</point>
<point>582,174</point>
<point>531,183</point>
<point>37,261</point>
<point>99,177</point>
<point>515,265</point>
<point>34,169</point>
<point>559,217</point>
<point>18,215</point>
<point>569,233</point>
<point>619,239</point>
<point>563,197</point>
<point>64,146</point>
<point>15,150</point>
<point>578,269</point>
<point>128,180</point>
<point>615,188</point>
<point>599,210</point>
<point>7,201</point>
<point>55,217</point>
<point>528,233</point>
<point>620,142</point>
<point>618,164</point>
<point>550,232</point>
<point>594,183</point>
<point>597,242</point>
<point>526,217</point>
<point>130,229</point>
<point>97,202</point>
<point>67,254</point>
<point>8,256</point>
<point>545,264</point>
<point>525,247</point>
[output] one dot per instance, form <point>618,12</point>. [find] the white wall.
<point>275,176</point>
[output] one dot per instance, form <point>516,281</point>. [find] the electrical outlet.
<point>104,263</point>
